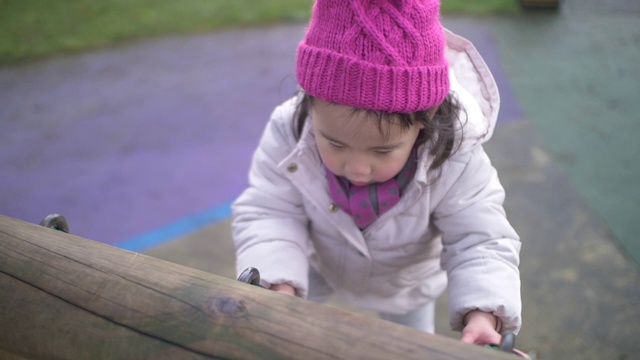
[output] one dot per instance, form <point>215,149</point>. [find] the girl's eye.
<point>383,152</point>
<point>335,146</point>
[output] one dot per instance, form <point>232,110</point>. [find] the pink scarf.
<point>366,203</point>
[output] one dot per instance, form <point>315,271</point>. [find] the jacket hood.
<point>476,90</point>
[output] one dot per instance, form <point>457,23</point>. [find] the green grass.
<point>37,28</point>
<point>479,7</point>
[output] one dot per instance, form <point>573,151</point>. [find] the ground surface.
<point>143,146</point>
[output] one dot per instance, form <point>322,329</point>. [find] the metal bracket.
<point>250,276</point>
<point>56,222</point>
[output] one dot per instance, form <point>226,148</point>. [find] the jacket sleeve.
<point>269,225</point>
<point>480,247</point>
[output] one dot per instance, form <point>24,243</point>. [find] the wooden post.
<point>65,297</point>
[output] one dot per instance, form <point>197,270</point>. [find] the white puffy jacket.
<point>454,229</point>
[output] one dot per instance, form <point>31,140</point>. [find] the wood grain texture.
<point>64,296</point>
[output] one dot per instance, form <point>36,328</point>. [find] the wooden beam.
<point>63,296</point>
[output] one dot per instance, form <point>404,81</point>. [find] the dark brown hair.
<point>440,132</point>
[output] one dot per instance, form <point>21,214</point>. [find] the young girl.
<point>373,182</point>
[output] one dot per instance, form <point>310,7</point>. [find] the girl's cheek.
<point>329,160</point>
<point>388,170</point>
<point>385,175</point>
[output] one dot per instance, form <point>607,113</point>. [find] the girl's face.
<point>353,145</point>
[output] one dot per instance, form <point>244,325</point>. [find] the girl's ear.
<point>432,112</point>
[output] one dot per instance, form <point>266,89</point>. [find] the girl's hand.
<point>480,328</point>
<point>283,288</point>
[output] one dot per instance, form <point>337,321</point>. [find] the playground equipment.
<point>252,276</point>
<point>66,297</point>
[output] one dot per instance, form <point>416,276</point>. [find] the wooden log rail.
<point>66,297</point>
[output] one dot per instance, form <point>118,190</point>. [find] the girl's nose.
<point>358,166</point>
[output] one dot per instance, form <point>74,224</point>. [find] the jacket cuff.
<point>498,326</point>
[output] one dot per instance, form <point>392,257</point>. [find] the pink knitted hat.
<point>375,54</point>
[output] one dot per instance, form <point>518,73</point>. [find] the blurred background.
<point>137,121</point>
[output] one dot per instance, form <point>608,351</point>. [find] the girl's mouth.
<point>359,183</point>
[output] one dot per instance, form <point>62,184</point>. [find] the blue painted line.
<point>179,228</point>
